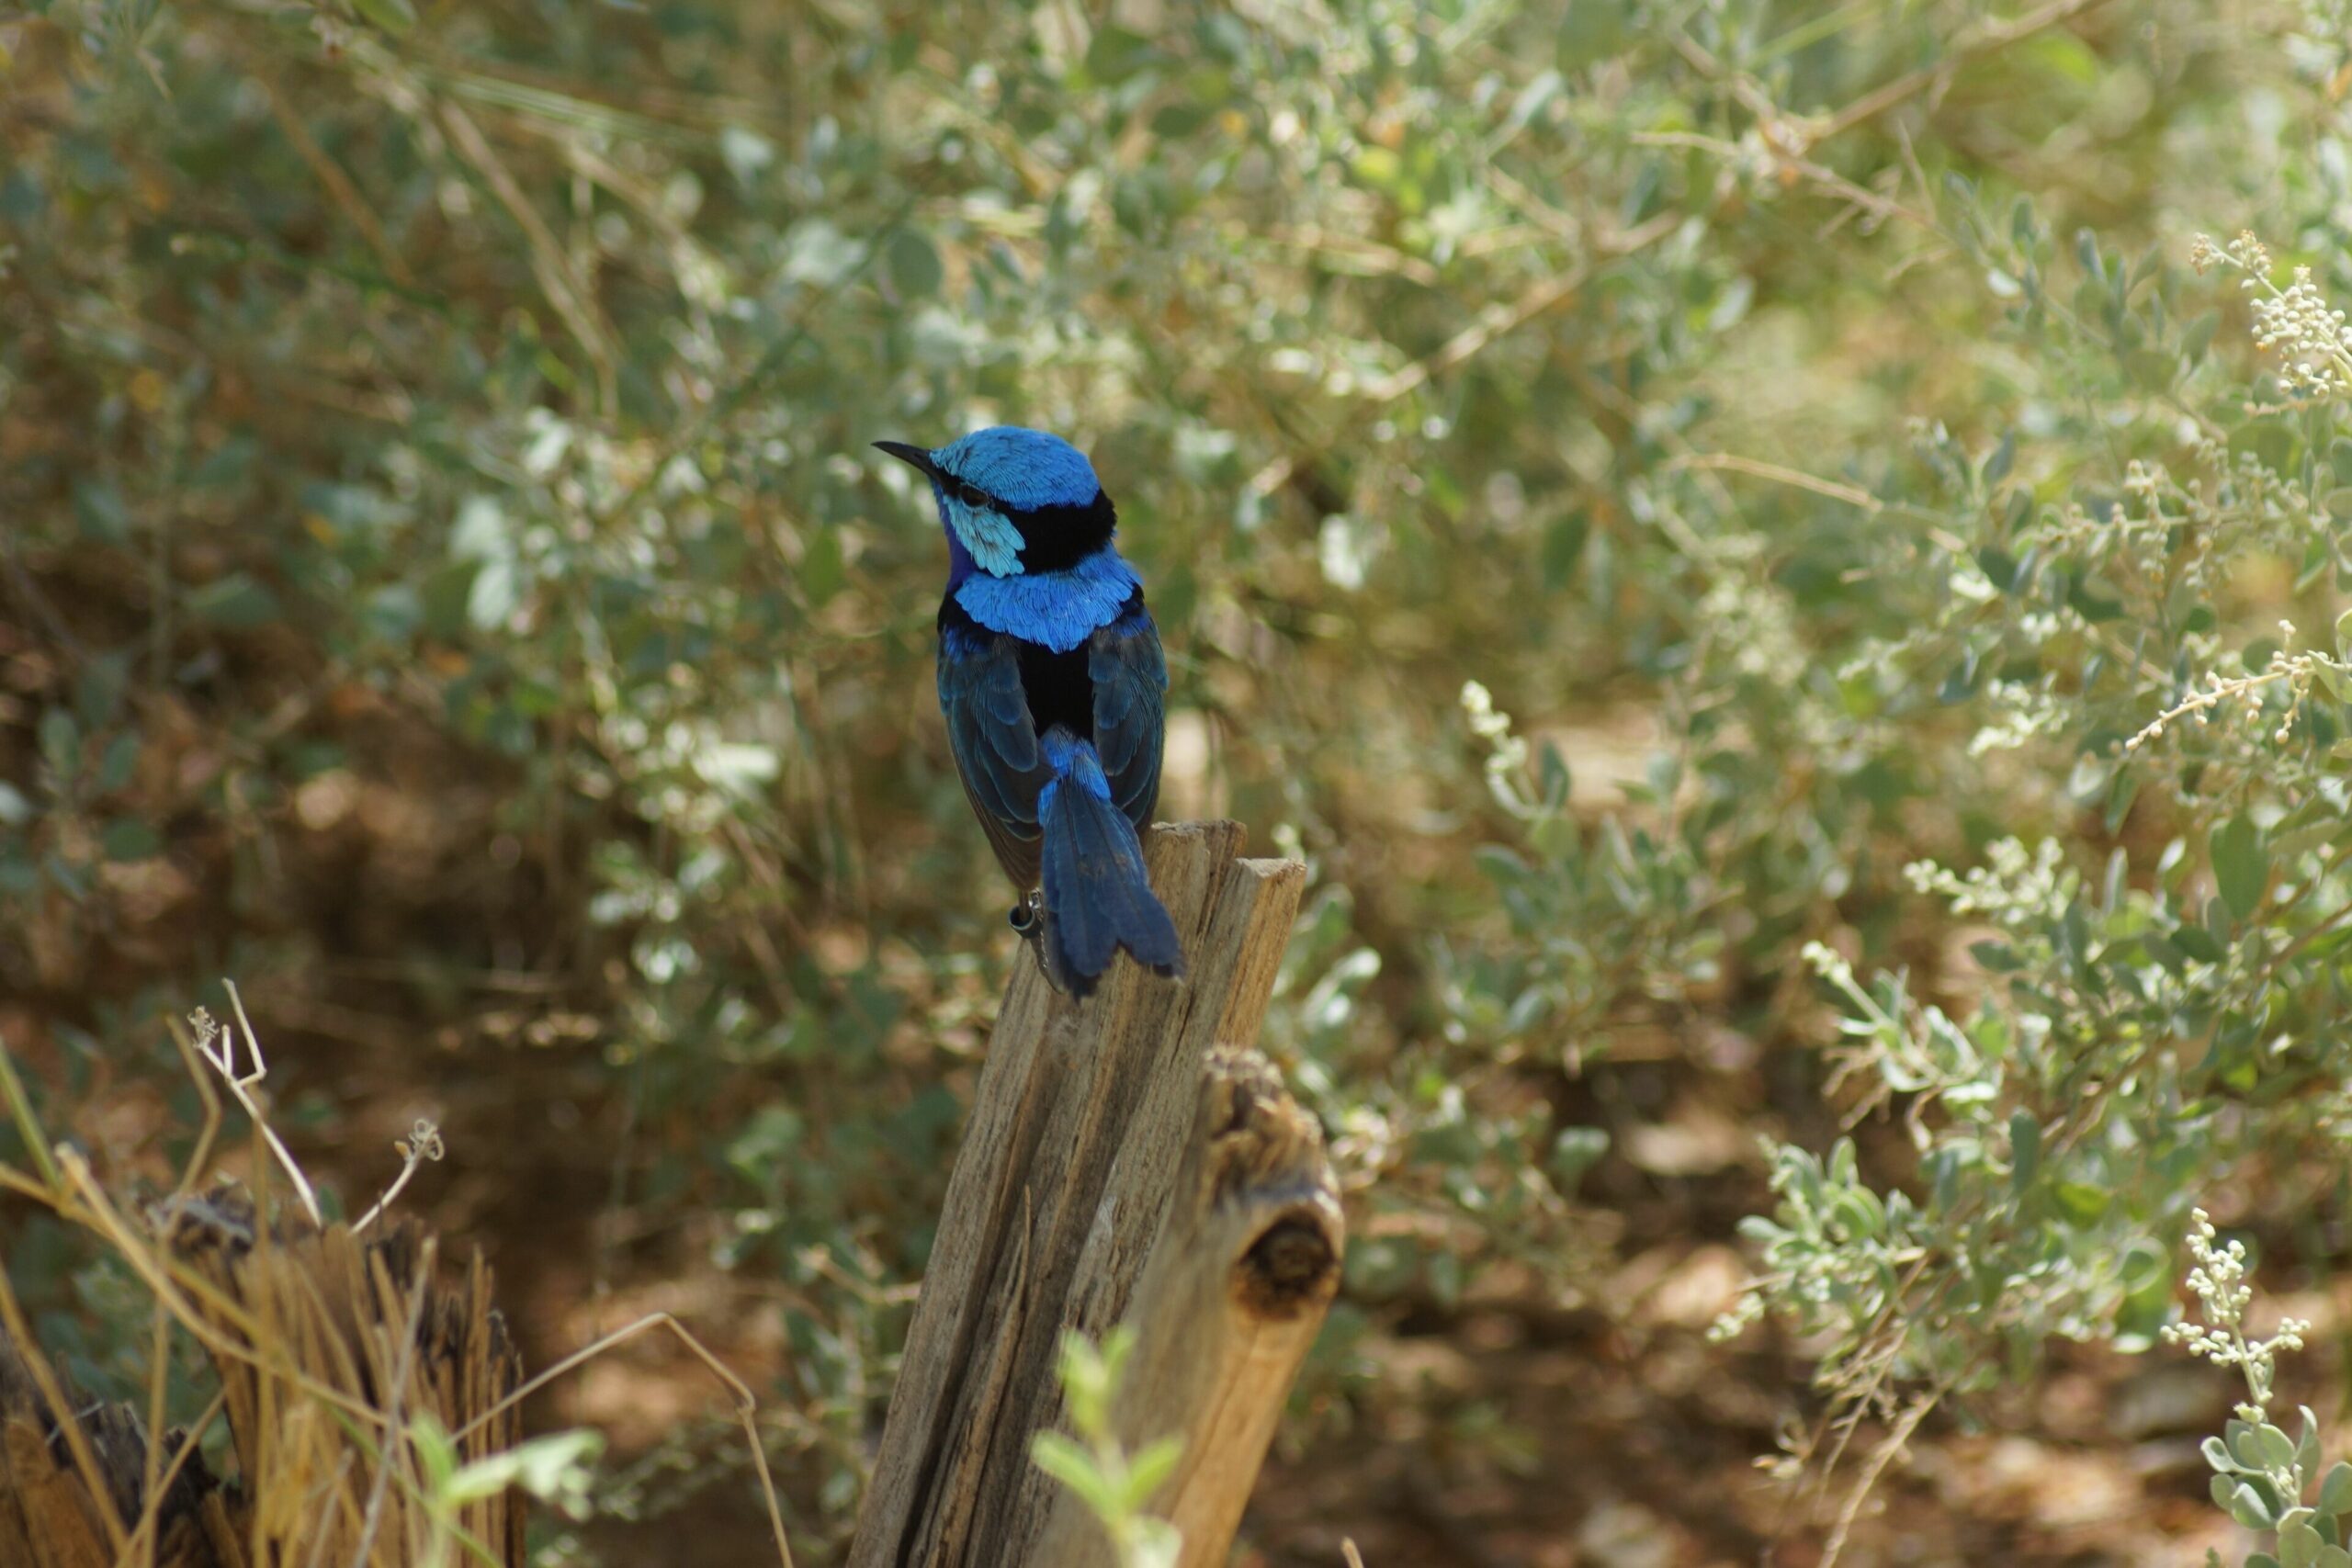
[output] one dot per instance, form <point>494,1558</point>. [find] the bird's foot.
<point>1030,922</point>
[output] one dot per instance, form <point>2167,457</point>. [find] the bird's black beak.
<point>913,456</point>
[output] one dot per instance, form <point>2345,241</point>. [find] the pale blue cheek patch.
<point>1059,609</point>
<point>994,541</point>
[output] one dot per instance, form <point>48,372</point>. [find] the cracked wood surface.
<point>1080,1131</point>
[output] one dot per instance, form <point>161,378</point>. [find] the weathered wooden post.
<point>1092,1125</point>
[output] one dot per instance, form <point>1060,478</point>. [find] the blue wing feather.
<point>1130,677</point>
<point>989,730</point>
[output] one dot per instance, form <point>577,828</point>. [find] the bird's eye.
<point>971,495</point>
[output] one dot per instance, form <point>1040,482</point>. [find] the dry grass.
<point>373,1406</point>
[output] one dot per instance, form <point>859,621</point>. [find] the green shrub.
<point>1735,529</point>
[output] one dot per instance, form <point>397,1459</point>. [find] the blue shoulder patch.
<point>1059,609</point>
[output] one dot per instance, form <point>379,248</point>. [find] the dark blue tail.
<point>1098,898</point>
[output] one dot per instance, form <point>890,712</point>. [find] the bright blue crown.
<point>1023,468</point>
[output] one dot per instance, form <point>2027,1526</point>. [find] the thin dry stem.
<point>20,1110</point>
<point>331,177</point>
<point>77,1441</point>
<point>1756,468</point>
<point>373,1518</point>
<point>746,1407</point>
<point>139,1549</point>
<point>226,1064</point>
<point>1867,1483</point>
<point>423,1142</point>
<point>565,290</point>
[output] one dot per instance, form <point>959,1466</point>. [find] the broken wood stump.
<point>1236,1286</point>
<point>1104,1137</point>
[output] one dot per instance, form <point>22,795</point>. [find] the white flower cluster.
<point>2317,46</point>
<point>1757,626</point>
<point>2313,339</point>
<point>2016,889</point>
<point>2297,670</point>
<point>1829,963</point>
<point>1506,752</point>
<point>2217,1278</point>
<point>2026,712</point>
<point>2245,252</point>
<point>2295,321</point>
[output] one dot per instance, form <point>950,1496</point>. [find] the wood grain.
<point>1236,1289</point>
<point>1077,1130</point>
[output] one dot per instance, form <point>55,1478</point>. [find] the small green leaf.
<point>121,758</point>
<point>1573,1153</point>
<point>2241,869</point>
<point>436,1454</point>
<point>2299,1546</point>
<point>1148,1469</point>
<point>60,742</point>
<point>236,602</point>
<point>98,694</point>
<point>2199,943</point>
<point>127,838</point>
<point>394,16</point>
<point>98,507</point>
<point>393,611</point>
<point>1563,546</point>
<point>2239,1434</point>
<point>2247,1507</point>
<point>554,1469</point>
<point>2335,1492</point>
<point>494,593</point>
<point>2025,1150</point>
<point>913,265</point>
<point>1059,1456</point>
<point>2198,337</point>
<point>2082,1203</point>
<point>2216,1454</point>
<point>2004,457</point>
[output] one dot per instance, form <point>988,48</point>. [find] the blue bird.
<point>1053,685</point>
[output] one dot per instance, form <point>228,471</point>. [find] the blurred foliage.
<point>1684,513</point>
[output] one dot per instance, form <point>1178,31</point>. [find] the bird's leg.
<point>1025,917</point>
<point>1030,922</point>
